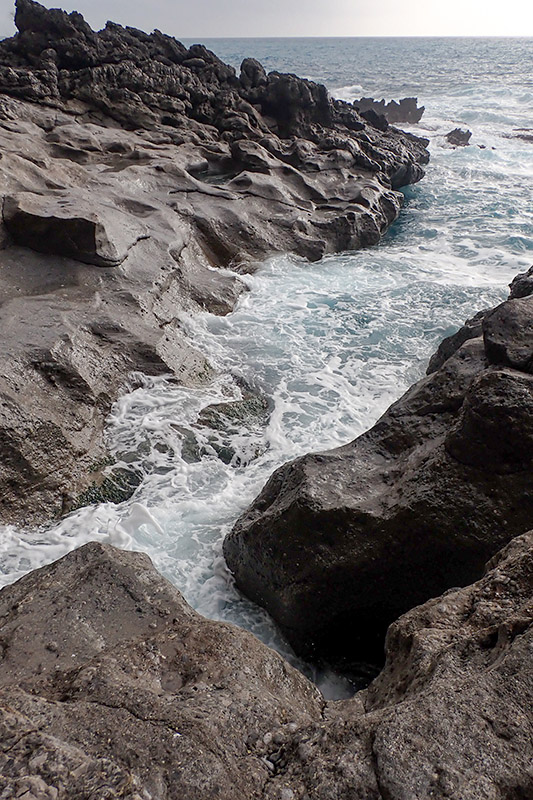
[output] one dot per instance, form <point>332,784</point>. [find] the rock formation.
<point>406,110</point>
<point>111,686</point>
<point>459,137</point>
<point>339,544</point>
<point>130,167</point>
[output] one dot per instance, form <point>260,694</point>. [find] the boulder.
<point>339,544</point>
<point>450,714</point>
<point>112,686</point>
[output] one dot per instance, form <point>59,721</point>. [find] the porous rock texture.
<point>339,544</point>
<point>131,169</point>
<point>111,686</point>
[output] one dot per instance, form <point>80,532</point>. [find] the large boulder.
<point>339,544</point>
<point>449,716</point>
<point>111,686</point>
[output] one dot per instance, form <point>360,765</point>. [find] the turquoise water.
<point>331,344</point>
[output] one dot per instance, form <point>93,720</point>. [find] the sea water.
<point>328,345</point>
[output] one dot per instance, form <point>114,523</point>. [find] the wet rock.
<point>508,334</point>
<point>458,137</point>
<point>235,429</point>
<point>406,110</point>
<point>522,285</point>
<point>350,538</point>
<point>525,134</point>
<point>128,150</point>
<point>494,431</point>
<point>449,715</point>
<point>470,330</point>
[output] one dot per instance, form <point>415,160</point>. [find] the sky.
<point>220,18</point>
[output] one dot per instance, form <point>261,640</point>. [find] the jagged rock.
<point>348,539</point>
<point>508,334</point>
<point>112,686</point>
<point>470,330</point>
<point>458,137</point>
<point>525,134</point>
<point>252,74</point>
<point>449,716</point>
<point>406,110</point>
<point>522,285</point>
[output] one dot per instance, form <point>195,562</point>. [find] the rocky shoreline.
<point>132,170</point>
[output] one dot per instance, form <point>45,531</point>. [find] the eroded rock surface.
<point>111,686</point>
<point>339,544</point>
<point>155,163</point>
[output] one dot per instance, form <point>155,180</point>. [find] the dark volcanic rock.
<point>470,330</point>
<point>111,686</point>
<point>345,541</point>
<point>127,150</point>
<point>459,137</point>
<point>522,285</point>
<point>406,110</point>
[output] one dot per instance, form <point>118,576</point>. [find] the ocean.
<point>330,344</point>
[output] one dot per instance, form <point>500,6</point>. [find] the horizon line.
<point>353,36</point>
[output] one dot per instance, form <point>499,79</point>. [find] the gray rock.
<point>522,285</point>
<point>470,330</point>
<point>449,716</point>
<point>66,225</point>
<point>111,686</point>
<point>109,138</point>
<point>406,110</point>
<point>459,137</point>
<point>508,334</point>
<point>351,538</point>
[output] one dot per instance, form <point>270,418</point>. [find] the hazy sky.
<point>204,18</point>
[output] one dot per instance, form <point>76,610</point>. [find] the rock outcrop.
<point>339,544</point>
<point>155,163</point>
<point>459,137</point>
<point>111,686</point>
<point>406,110</point>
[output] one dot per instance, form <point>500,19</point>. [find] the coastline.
<point>111,684</point>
